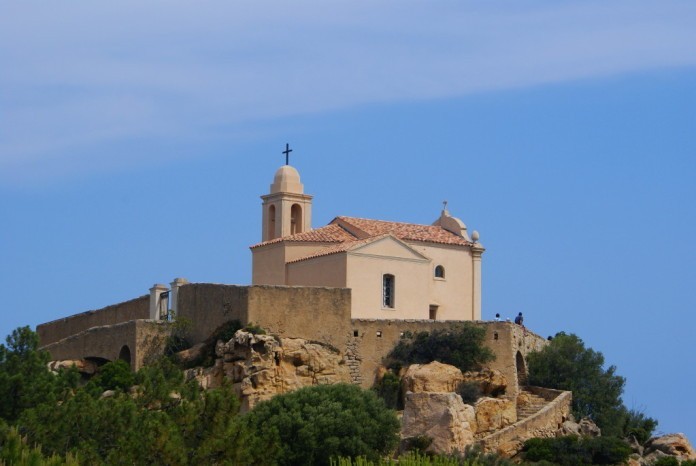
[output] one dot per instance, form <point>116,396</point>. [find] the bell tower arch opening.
<point>296,225</point>
<point>271,227</point>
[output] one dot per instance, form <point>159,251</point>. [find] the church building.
<point>394,270</point>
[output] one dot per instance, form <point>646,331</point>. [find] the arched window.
<point>295,219</point>
<point>271,222</point>
<point>439,272</point>
<point>388,289</point>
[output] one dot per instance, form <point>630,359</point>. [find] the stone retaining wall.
<point>508,441</point>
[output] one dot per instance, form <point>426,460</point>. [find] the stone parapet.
<point>544,424</point>
<point>56,330</point>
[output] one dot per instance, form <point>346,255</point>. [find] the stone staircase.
<point>528,403</point>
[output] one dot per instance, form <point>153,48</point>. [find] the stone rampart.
<point>544,424</point>
<point>373,340</point>
<point>132,341</point>
<point>207,306</point>
<point>312,313</point>
<point>56,330</point>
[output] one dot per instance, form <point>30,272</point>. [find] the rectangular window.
<point>388,290</point>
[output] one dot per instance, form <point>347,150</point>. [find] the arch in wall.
<point>125,354</point>
<point>521,369</point>
<point>296,219</point>
<point>99,361</point>
<point>271,222</point>
<point>439,272</point>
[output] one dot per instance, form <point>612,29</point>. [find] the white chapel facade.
<point>394,270</point>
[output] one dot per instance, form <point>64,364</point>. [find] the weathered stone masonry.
<point>312,313</point>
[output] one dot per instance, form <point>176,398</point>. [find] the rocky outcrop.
<point>585,428</point>
<point>676,445</point>
<point>83,366</point>
<point>491,382</point>
<point>494,413</point>
<point>432,377</point>
<point>262,366</point>
<point>443,417</point>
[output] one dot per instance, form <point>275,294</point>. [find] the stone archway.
<point>125,354</point>
<point>521,369</point>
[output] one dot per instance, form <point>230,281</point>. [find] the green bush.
<point>389,390</point>
<point>114,375</point>
<point>470,392</point>
<point>25,380</point>
<point>572,450</point>
<point>314,424</point>
<point>417,444</point>
<point>566,364</point>
<point>638,425</point>
<point>666,461</point>
<point>461,346</point>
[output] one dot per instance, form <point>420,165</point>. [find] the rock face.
<point>432,377</point>
<point>262,366</point>
<point>585,428</point>
<point>676,445</point>
<point>494,413</point>
<point>443,417</point>
<point>492,382</point>
<point>83,366</point>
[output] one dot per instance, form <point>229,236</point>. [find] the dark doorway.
<point>125,354</point>
<point>521,370</point>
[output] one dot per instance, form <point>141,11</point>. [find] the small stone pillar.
<point>156,300</point>
<point>174,295</point>
<point>476,252</point>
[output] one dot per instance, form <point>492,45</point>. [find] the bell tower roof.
<point>287,180</point>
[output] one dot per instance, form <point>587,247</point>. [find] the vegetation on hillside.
<point>566,364</point>
<point>154,416</point>
<point>461,346</point>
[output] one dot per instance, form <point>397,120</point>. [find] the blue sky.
<point>136,139</point>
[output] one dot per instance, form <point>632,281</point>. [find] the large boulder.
<point>443,417</point>
<point>432,377</point>
<point>676,445</point>
<point>262,366</point>
<point>491,382</point>
<point>83,366</point>
<point>585,428</point>
<point>494,414</point>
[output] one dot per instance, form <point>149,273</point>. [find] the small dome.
<point>287,180</point>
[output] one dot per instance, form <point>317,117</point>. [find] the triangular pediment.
<point>387,246</point>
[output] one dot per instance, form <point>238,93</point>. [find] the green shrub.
<point>389,390</point>
<point>114,375</point>
<point>418,444</point>
<point>461,346</point>
<point>637,424</point>
<point>470,392</point>
<point>314,424</point>
<point>573,450</point>
<point>566,364</point>
<point>666,461</point>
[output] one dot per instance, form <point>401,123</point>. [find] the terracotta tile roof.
<point>329,234</point>
<point>346,233</point>
<point>404,231</point>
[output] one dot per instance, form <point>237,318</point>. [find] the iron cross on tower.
<point>287,153</point>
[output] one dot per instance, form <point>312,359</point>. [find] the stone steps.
<point>533,407</point>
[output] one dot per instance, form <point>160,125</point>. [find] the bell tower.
<point>286,210</point>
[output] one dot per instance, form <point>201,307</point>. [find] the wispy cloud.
<point>84,74</point>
